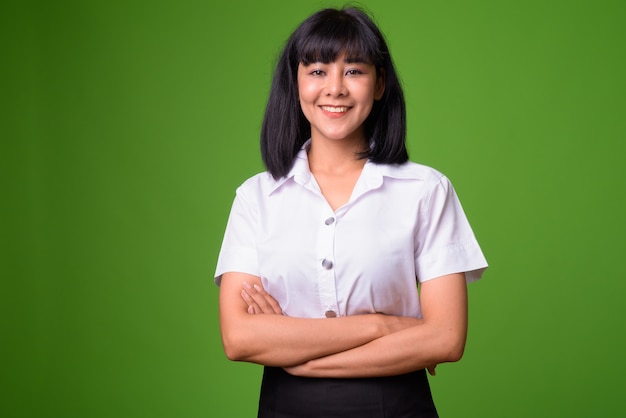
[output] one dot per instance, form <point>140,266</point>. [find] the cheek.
<point>364,91</point>
<point>305,92</point>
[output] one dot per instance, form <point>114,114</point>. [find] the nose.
<point>335,85</point>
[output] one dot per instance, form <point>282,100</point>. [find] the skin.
<point>336,136</point>
<point>439,337</point>
<point>272,339</point>
<point>336,98</point>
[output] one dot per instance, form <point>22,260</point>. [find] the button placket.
<point>326,269</point>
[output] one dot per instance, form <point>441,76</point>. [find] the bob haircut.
<point>322,38</point>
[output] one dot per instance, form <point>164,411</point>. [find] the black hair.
<point>321,38</point>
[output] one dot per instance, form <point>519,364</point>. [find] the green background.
<point>127,125</point>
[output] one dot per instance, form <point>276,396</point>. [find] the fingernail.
<point>257,287</point>
<point>247,285</point>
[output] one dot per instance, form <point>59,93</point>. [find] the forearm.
<point>278,340</point>
<point>439,338</point>
<point>402,352</point>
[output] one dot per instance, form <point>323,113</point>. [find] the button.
<point>327,264</point>
<point>329,221</point>
<point>330,314</point>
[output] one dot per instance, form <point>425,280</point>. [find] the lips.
<point>335,109</point>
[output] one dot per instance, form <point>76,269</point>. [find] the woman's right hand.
<point>261,302</point>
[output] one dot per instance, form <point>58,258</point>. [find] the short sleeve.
<point>445,243</point>
<point>238,252</point>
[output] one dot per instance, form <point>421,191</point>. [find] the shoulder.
<point>260,186</point>
<point>258,183</point>
<point>411,171</point>
<point>414,181</point>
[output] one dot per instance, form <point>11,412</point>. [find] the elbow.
<point>232,353</point>
<point>452,349</point>
<point>234,348</point>
<point>454,354</point>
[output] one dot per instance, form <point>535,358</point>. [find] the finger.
<point>269,299</point>
<point>252,308</point>
<point>256,298</point>
<point>261,298</point>
<point>432,371</point>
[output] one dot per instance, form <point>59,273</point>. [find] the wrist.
<point>388,324</point>
<point>393,323</point>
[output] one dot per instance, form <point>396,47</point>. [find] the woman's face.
<point>337,97</point>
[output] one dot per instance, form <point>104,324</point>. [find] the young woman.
<point>324,253</point>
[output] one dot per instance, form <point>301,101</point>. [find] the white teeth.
<point>331,109</point>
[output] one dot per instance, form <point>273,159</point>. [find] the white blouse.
<point>402,225</point>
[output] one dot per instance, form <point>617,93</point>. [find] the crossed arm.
<point>254,330</point>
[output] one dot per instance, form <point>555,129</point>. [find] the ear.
<point>380,84</point>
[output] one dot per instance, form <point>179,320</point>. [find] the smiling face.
<point>337,97</point>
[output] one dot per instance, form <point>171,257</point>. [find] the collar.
<point>371,178</point>
<point>300,172</point>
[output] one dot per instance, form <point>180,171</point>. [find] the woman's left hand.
<point>259,301</point>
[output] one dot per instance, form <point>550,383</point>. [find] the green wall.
<point>127,125</point>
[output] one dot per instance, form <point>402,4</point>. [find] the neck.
<point>336,157</point>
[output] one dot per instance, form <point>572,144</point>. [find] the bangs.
<point>329,38</point>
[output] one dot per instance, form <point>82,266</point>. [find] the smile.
<point>333,109</point>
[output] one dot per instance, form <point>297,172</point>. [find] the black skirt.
<point>403,396</point>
